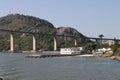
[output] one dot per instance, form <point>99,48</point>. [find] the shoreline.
<point>110,56</point>
<point>115,58</point>
<point>86,55</point>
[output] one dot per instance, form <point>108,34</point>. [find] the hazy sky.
<point>90,17</point>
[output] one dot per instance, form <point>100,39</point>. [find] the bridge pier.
<point>11,42</point>
<point>97,41</point>
<point>75,42</point>
<point>34,43</point>
<point>55,44</point>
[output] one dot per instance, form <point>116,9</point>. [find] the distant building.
<point>103,50</point>
<point>108,42</point>
<point>73,50</point>
<point>111,42</point>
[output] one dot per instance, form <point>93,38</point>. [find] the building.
<point>73,50</point>
<point>111,42</point>
<point>103,50</point>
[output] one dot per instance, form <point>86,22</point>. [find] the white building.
<point>73,50</point>
<point>104,50</point>
<point>111,42</point>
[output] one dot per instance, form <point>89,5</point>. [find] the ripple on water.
<point>59,68</point>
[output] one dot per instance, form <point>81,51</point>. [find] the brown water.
<point>17,67</point>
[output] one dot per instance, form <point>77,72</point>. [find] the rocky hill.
<point>33,24</point>
<point>69,41</point>
<point>24,23</point>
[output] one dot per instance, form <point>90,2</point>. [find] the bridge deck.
<point>3,30</point>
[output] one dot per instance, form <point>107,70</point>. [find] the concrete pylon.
<point>55,44</point>
<point>11,42</point>
<point>75,42</point>
<point>34,43</point>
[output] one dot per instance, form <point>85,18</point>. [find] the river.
<point>18,67</point>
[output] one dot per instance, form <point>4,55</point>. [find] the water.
<point>17,67</point>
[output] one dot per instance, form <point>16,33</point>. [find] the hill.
<point>24,23</point>
<point>69,41</point>
<point>33,24</point>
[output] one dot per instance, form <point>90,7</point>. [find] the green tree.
<point>116,49</point>
<point>90,46</point>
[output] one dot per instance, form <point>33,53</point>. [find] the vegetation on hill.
<point>70,41</point>
<point>23,41</point>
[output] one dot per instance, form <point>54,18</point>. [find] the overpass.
<point>11,32</point>
<point>103,38</point>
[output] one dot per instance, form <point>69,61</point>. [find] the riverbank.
<point>115,58</point>
<point>108,55</point>
<point>86,55</point>
<point>51,52</point>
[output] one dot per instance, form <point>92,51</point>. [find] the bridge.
<point>54,38</point>
<point>11,32</point>
<point>103,38</point>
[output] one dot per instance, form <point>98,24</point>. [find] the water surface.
<point>17,67</point>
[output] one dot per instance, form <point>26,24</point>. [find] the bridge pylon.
<point>11,42</point>
<point>34,43</point>
<point>55,44</point>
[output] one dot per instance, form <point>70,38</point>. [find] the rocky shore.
<point>108,55</point>
<point>115,58</point>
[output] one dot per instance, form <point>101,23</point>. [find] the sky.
<point>89,17</point>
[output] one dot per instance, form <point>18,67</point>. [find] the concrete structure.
<point>75,42</point>
<point>55,44</point>
<point>73,50</point>
<point>34,43</point>
<point>103,50</point>
<point>111,42</point>
<point>11,42</point>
